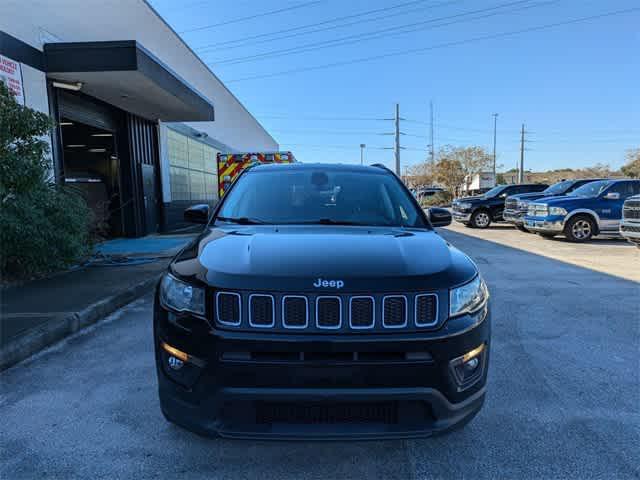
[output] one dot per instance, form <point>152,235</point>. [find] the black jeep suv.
<point>319,302</point>
<point>480,211</point>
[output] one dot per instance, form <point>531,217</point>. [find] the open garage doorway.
<point>91,167</point>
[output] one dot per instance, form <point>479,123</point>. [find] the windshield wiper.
<point>242,220</point>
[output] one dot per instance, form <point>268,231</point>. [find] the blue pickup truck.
<point>593,209</point>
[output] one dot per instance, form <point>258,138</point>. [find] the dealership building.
<point>139,116</point>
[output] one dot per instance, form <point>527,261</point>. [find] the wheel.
<point>481,219</point>
<point>522,229</point>
<point>580,229</point>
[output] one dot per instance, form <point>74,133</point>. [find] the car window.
<point>559,187</point>
<point>625,189</point>
<point>321,196</point>
<point>591,189</point>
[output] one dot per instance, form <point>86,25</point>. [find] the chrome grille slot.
<point>361,312</point>
<point>328,312</point>
<point>228,308</point>
<point>261,311</point>
<point>394,311</point>
<point>295,311</point>
<point>426,310</point>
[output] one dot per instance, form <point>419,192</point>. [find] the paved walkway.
<point>120,270</point>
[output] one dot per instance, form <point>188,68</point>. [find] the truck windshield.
<point>558,188</point>
<point>495,191</point>
<point>320,196</point>
<point>591,189</point>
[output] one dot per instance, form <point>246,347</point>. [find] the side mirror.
<point>439,217</point>
<point>612,196</point>
<point>197,213</point>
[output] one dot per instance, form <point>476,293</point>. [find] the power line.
<point>434,47</point>
<point>382,33</point>
<point>243,41</point>
<point>251,17</point>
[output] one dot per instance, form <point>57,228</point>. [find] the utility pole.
<point>362,146</point>
<point>397,143</point>
<point>495,125</point>
<point>521,170</point>
<point>432,152</point>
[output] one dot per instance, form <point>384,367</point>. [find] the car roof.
<point>334,167</point>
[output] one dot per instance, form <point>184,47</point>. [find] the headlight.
<point>557,211</point>
<point>523,205</point>
<point>464,205</point>
<point>468,298</point>
<point>181,296</point>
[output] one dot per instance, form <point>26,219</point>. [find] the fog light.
<point>471,365</point>
<point>175,363</point>
<point>175,353</point>
<point>467,369</point>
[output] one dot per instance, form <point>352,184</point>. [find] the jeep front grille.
<point>326,313</point>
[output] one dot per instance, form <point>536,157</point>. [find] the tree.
<point>43,226</point>
<point>450,174</point>
<point>421,174</point>
<point>632,167</point>
<point>472,160</point>
<point>599,170</point>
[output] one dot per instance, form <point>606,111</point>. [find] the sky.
<point>332,83</point>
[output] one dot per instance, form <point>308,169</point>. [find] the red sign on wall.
<point>11,76</point>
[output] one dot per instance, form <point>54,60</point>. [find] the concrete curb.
<point>56,330</point>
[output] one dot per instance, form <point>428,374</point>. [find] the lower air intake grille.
<point>322,413</point>
<point>394,313</point>
<point>295,312</point>
<point>426,310</point>
<point>261,311</point>
<point>228,308</point>
<point>361,312</point>
<point>328,312</point>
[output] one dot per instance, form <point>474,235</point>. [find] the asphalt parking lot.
<point>563,396</point>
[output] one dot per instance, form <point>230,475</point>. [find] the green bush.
<point>43,227</point>
<point>440,199</point>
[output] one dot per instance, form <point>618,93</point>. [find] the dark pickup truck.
<point>480,211</point>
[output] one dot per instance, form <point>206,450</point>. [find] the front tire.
<point>580,229</point>
<point>481,219</point>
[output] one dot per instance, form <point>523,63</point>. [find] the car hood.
<point>527,196</point>
<point>564,200</point>
<point>470,199</point>
<point>293,258</point>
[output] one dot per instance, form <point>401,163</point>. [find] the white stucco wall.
<point>39,21</point>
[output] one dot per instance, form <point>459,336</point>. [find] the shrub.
<point>43,227</point>
<point>440,199</point>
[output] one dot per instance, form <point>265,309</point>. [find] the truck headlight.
<point>464,206</point>
<point>523,205</point>
<point>180,296</point>
<point>557,211</point>
<point>468,298</point>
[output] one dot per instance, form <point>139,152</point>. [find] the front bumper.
<point>630,230</point>
<point>463,217</point>
<point>327,392</point>
<point>549,224</point>
<point>514,216</point>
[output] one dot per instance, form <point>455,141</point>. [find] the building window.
<point>192,171</point>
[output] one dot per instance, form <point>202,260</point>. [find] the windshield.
<point>495,191</point>
<point>559,187</point>
<point>592,189</point>
<point>320,196</point>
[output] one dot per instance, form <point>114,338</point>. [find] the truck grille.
<point>325,313</point>
<point>538,210</point>
<point>631,209</point>
<point>511,204</point>
<point>315,413</point>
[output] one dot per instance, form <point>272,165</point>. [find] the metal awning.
<point>123,73</point>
